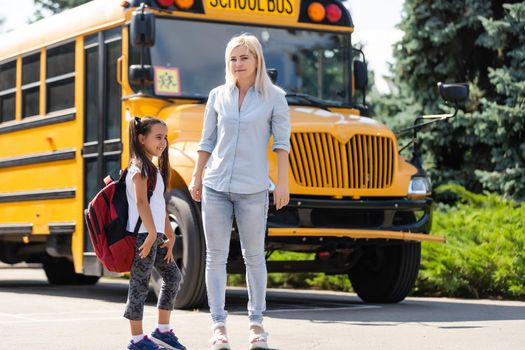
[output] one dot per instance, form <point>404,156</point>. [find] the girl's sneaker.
<point>219,341</point>
<point>258,340</point>
<point>144,344</point>
<point>167,340</point>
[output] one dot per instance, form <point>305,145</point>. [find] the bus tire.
<point>386,274</point>
<point>189,250</point>
<point>61,271</point>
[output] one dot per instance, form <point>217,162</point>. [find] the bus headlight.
<point>420,185</point>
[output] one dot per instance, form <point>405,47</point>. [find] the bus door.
<point>102,147</point>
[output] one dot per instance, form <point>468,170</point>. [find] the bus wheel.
<point>62,271</point>
<point>386,274</point>
<point>189,251</point>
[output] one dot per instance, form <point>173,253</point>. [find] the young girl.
<point>148,139</point>
<point>239,118</point>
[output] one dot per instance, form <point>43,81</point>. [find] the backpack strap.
<point>151,188</point>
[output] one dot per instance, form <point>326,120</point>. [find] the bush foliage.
<point>485,251</point>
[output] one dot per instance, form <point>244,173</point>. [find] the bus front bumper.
<point>390,219</point>
<point>353,233</point>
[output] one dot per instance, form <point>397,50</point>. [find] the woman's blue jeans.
<point>250,210</point>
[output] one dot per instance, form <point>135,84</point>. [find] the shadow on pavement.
<point>290,304</point>
<point>340,308</point>
<point>33,281</point>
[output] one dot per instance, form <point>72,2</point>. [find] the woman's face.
<point>243,63</point>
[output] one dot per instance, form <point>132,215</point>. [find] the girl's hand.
<point>169,243</point>
<point>195,188</point>
<point>145,248</point>
<point>281,196</point>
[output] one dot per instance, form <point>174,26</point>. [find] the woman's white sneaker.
<point>219,340</point>
<point>258,337</point>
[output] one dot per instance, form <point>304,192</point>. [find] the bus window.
<point>7,91</point>
<point>91,88</point>
<point>60,77</point>
<point>308,61</point>
<point>30,85</point>
<point>114,51</point>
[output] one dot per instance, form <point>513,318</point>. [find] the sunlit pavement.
<point>36,315</point>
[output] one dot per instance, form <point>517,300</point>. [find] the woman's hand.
<point>195,188</point>
<point>169,243</point>
<point>281,195</point>
<point>145,248</point>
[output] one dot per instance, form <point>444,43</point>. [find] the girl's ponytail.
<point>164,166</point>
<point>132,133</point>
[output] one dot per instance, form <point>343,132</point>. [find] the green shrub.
<point>484,255</point>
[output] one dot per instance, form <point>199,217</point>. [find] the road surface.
<point>36,315</point>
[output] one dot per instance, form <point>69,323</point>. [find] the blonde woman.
<point>239,119</point>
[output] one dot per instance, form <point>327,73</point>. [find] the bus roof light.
<point>165,3</point>
<point>184,4</point>
<point>316,11</point>
<point>333,13</point>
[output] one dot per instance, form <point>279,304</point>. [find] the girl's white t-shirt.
<point>157,203</point>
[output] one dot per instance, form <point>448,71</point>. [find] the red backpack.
<point>106,219</point>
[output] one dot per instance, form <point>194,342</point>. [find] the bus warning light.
<point>333,13</point>
<point>165,3</point>
<point>184,4</point>
<point>316,11</point>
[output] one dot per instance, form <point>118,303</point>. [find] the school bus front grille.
<point>320,160</point>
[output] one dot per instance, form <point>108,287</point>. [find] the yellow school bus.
<point>70,83</point>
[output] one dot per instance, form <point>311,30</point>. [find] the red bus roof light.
<point>165,3</point>
<point>333,13</point>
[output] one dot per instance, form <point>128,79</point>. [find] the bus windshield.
<point>308,62</point>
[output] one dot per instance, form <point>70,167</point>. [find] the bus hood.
<point>186,121</point>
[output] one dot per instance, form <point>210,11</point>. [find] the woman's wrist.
<point>283,184</point>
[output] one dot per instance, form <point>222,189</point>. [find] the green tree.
<point>56,6</point>
<point>506,112</point>
<point>44,7</point>
<point>482,43</point>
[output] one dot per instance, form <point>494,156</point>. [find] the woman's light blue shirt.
<point>238,140</point>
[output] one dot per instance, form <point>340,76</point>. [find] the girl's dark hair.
<point>142,126</point>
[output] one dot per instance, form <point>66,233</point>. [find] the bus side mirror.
<point>360,75</point>
<point>454,93</point>
<point>141,75</point>
<point>142,31</point>
<point>272,73</point>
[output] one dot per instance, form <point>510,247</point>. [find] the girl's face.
<point>243,63</point>
<point>155,141</point>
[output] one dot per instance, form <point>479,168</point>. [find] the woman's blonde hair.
<point>262,80</point>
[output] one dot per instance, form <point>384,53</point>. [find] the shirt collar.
<point>251,89</point>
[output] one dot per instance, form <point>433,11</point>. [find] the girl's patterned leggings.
<point>139,279</point>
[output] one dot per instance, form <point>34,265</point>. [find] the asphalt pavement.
<point>36,315</point>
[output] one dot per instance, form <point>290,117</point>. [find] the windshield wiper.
<point>312,100</point>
